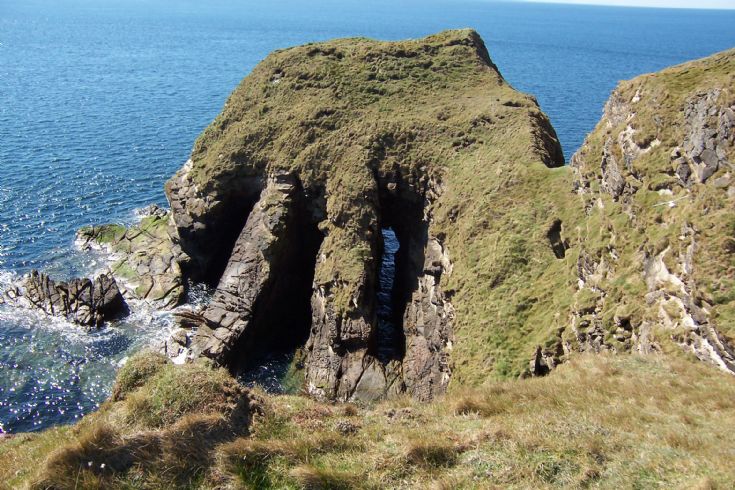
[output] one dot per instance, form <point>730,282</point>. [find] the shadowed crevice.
<point>404,236</point>
<point>558,245</point>
<point>281,314</point>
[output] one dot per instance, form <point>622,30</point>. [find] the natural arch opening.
<point>404,234</point>
<point>390,338</point>
<point>211,249</point>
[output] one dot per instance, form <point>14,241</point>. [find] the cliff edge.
<point>655,252</point>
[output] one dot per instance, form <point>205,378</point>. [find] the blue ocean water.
<point>101,100</point>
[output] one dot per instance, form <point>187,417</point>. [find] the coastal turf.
<point>595,422</point>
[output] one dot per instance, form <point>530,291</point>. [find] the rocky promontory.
<point>322,146</point>
<point>143,257</point>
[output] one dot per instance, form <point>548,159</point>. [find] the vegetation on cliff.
<point>654,254</point>
<point>422,136</point>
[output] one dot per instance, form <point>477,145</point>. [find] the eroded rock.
<point>144,257</point>
<point>710,130</point>
<point>251,273</point>
<point>87,302</point>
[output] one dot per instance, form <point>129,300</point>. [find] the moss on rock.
<point>144,257</point>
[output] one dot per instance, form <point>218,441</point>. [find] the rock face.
<point>243,311</point>
<point>283,200</point>
<point>654,255</point>
<point>144,258</point>
<point>83,301</point>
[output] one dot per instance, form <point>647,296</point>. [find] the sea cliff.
<point>607,280</point>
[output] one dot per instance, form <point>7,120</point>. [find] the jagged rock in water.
<point>282,203</point>
<point>83,301</point>
<point>145,259</point>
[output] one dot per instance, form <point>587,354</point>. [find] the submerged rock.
<point>83,301</point>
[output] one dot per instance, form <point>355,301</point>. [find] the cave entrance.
<point>223,232</point>
<point>269,352</point>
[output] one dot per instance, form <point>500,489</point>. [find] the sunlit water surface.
<point>100,102</point>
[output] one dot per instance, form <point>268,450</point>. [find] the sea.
<point>101,101</point>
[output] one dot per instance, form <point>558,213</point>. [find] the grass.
<point>136,371</point>
<point>637,224</point>
<point>172,392</point>
<point>597,421</point>
<point>160,431</point>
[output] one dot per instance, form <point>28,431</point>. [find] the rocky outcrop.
<point>428,330</point>
<point>653,260</point>
<point>144,257</point>
<point>709,132</point>
<point>83,301</point>
<point>283,200</point>
<point>239,311</point>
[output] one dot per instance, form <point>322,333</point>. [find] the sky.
<point>700,4</point>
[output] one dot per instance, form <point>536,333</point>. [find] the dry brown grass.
<point>112,449</point>
<point>601,422</point>
<point>311,478</point>
<point>432,453</point>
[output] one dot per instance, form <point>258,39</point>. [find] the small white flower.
<point>90,464</point>
<point>102,466</point>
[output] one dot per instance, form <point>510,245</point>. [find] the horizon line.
<point>630,4</point>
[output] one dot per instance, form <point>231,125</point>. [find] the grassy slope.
<point>597,421</point>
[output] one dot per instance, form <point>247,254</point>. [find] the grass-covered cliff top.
<point>431,112</point>
<point>336,106</point>
<point>597,422</point>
